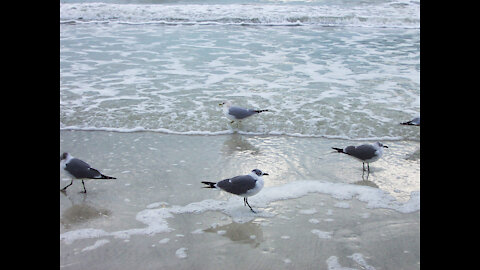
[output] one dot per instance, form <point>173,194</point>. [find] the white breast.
<point>378,155</point>
<point>256,189</point>
<point>229,116</point>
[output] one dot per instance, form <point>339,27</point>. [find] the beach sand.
<point>318,210</point>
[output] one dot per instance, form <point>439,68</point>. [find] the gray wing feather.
<point>362,152</point>
<point>240,113</point>
<point>81,169</point>
<point>238,184</point>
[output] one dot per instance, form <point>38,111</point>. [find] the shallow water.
<point>315,208</point>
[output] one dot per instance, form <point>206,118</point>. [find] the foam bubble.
<point>314,221</point>
<point>332,263</point>
<point>322,234</point>
<point>358,258</point>
<point>308,211</point>
<point>181,253</point>
<point>342,205</point>
<point>164,241</point>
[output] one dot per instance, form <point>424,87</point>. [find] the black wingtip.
<point>259,111</point>
<point>339,150</point>
<point>409,123</point>
<point>209,184</point>
<point>108,177</point>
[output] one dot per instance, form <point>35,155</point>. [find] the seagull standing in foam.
<point>79,169</point>
<point>237,113</point>
<point>365,153</point>
<point>242,185</point>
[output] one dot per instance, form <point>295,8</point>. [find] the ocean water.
<point>139,80</point>
<point>334,69</point>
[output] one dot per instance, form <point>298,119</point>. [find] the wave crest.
<point>388,16</point>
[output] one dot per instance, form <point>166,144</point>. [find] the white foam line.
<point>226,132</point>
<point>97,244</point>
<point>156,219</point>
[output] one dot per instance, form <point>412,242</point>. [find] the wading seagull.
<point>237,113</point>
<point>414,122</point>
<point>242,185</point>
<point>79,169</point>
<point>365,153</point>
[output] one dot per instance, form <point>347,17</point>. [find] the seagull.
<point>366,152</point>
<point>414,122</point>
<point>79,169</point>
<point>237,113</point>
<point>242,185</point>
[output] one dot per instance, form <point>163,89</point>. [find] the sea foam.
<point>156,219</point>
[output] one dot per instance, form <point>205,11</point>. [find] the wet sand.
<point>318,210</point>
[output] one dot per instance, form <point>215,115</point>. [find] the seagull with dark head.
<point>79,169</point>
<point>237,113</point>
<point>242,185</point>
<point>366,153</point>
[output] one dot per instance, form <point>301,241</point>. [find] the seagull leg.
<point>363,164</point>
<point>63,189</point>
<point>363,176</point>
<point>246,201</point>
<point>368,166</point>
<point>84,190</point>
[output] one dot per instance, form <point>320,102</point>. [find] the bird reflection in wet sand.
<point>236,143</point>
<point>365,181</point>
<point>244,233</point>
<point>82,212</point>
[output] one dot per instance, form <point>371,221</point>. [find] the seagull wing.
<point>81,169</point>
<point>362,152</point>
<point>240,113</point>
<point>237,185</point>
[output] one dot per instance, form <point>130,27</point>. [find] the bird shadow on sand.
<point>243,233</point>
<point>81,212</point>
<point>365,181</point>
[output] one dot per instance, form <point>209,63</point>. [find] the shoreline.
<point>233,131</point>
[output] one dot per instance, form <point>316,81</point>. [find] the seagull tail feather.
<point>340,150</point>
<point>102,176</point>
<point>210,184</point>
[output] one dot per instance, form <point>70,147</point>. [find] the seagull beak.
<point>265,173</point>
<point>221,104</point>
<point>385,146</point>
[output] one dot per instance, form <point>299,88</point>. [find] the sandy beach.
<point>318,210</point>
